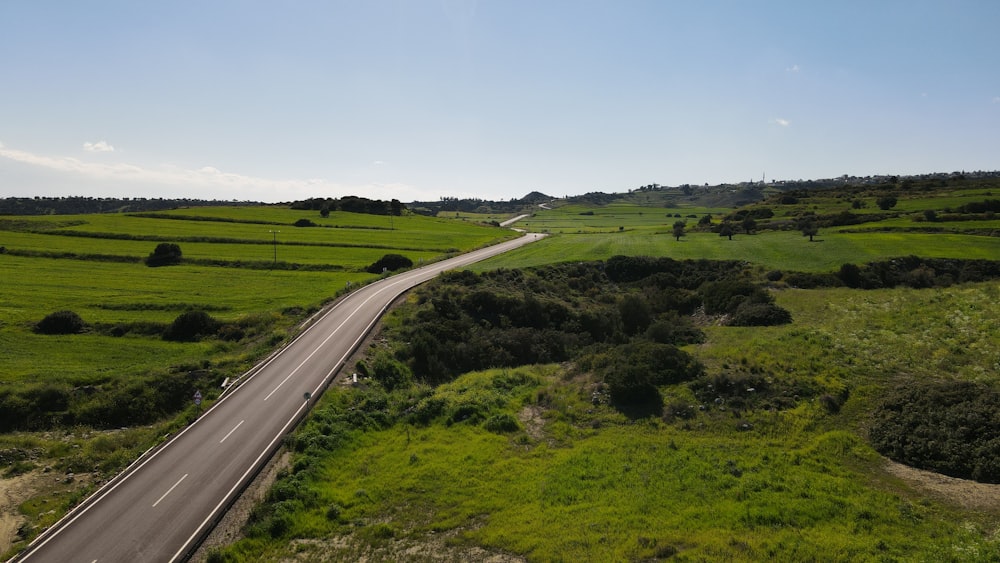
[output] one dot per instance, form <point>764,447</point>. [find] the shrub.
<point>502,423</point>
<point>165,254</point>
<point>759,314</point>
<point>191,326</point>
<point>672,329</point>
<point>389,263</point>
<point>391,373</point>
<point>306,222</point>
<point>724,297</point>
<point>61,322</point>
<point>947,427</point>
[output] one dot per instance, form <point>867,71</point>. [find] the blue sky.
<point>276,101</point>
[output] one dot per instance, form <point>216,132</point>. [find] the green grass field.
<point>120,292</point>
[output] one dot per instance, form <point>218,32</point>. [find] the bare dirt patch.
<point>531,417</point>
<point>964,493</point>
<point>14,491</point>
<point>433,548</point>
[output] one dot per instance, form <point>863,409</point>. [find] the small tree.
<point>886,203</point>
<point>749,224</point>
<point>809,229</point>
<point>726,230</point>
<point>165,254</point>
<point>679,229</point>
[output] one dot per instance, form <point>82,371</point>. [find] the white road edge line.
<point>231,431</point>
<point>169,490</point>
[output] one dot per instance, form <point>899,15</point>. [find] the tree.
<point>165,254</point>
<point>886,203</point>
<point>726,230</point>
<point>809,229</point>
<point>679,229</point>
<point>749,224</point>
<point>705,221</point>
<point>325,211</point>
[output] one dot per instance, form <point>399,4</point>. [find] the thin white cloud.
<point>996,100</point>
<point>793,68</point>
<point>99,146</point>
<point>207,182</point>
<point>781,121</point>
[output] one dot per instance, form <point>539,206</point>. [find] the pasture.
<point>92,265</point>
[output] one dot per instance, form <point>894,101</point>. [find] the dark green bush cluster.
<point>61,322</point>
<point>918,272</point>
<point>948,427</point>
<point>165,254</point>
<point>191,326</point>
<point>746,304</point>
<point>466,322</point>
<point>110,405</point>
<point>389,263</point>
<point>909,271</point>
<point>633,372</point>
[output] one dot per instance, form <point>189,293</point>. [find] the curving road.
<point>161,507</point>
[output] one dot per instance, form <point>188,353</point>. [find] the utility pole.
<point>274,239</point>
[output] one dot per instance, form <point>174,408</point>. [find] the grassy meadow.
<point>60,262</point>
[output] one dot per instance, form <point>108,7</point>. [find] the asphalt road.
<point>161,507</point>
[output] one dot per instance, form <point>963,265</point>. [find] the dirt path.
<point>967,494</point>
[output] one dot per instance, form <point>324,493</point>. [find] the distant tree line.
<point>350,204</point>
<point>79,205</point>
<point>477,205</point>
<point>909,271</point>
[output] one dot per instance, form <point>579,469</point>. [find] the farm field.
<point>581,232</point>
<point>92,265</point>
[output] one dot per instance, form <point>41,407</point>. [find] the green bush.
<point>61,322</point>
<point>502,423</point>
<point>165,254</point>
<point>191,326</point>
<point>759,314</point>
<point>948,427</point>
<point>389,263</point>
